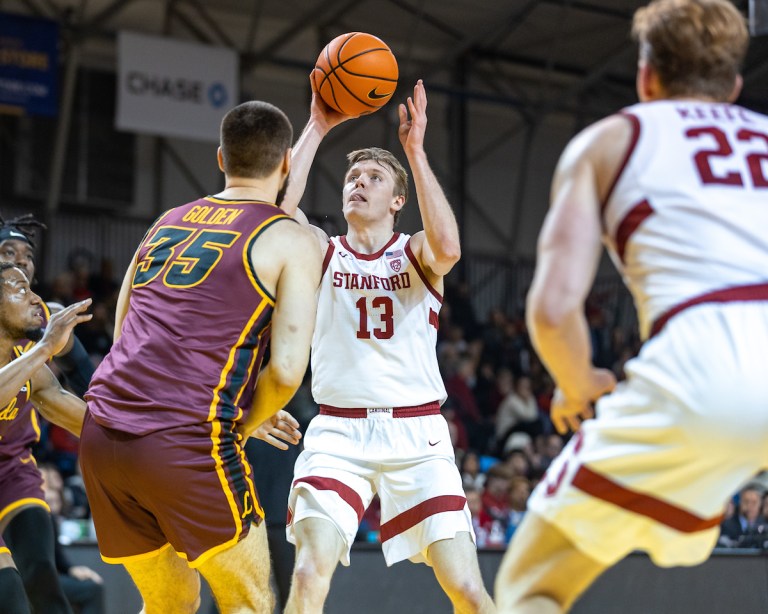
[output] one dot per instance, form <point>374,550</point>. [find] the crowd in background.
<point>499,397</point>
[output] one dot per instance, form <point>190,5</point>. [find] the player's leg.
<point>30,536</point>
<point>319,546</point>
<point>239,576</point>
<point>458,572</point>
<point>14,598</point>
<point>542,571</point>
<point>166,583</point>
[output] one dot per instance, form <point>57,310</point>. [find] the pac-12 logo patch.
<point>394,259</point>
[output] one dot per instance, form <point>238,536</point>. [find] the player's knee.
<point>310,575</point>
<point>471,594</point>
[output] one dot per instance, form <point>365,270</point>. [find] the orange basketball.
<point>356,73</point>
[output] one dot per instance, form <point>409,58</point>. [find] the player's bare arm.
<point>438,247</point>
<point>296,274</point>
<point>568,254</point>
<point>124,297</point>
<point>322,119</point>
<point>56,404</point>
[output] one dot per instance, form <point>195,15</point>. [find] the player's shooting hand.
<point>568,412</point>
<point>413,119</point>
<point>324,116</point>
<point>280,428</point>
<point>60,326</point>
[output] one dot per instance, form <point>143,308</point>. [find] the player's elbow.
<point>544,312</point>
<point>446,257</point>
<point>288,374</point>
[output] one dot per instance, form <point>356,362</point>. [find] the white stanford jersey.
<point>376,331</point>
<point>687,219</point>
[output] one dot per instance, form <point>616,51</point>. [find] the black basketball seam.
<point>340,66</point>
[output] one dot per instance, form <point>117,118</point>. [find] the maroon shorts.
<point>190,487</point>
<point>20,484</point>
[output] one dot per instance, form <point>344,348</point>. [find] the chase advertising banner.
<point>28,65</point>
<point>172,88</point>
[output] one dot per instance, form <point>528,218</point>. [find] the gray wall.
<point>728,582</point>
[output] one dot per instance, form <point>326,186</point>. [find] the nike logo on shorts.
<point>434,444</point>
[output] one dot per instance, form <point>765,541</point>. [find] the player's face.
<point>369,192</point>
<point>20,253</point>
<point>21,310</point>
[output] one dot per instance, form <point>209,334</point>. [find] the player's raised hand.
<point>60,325</point>
<point>324,116</point>
<point>280,428</point>
<point>567,413</point>
<point>413,119</point>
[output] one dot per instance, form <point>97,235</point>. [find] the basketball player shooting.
<point>677,188</point>
<point>375,376</point>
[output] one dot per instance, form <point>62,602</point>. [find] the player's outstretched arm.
<point>124,297</point>
<point>16,373</point>
<point>439,246</point>
<point>56,404</point>
<point>322,119</point>
<point>293,321</point>
<point>568,254</point>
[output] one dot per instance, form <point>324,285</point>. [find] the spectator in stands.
<point>82,586</point>
<point>748,528</point>
<point>519,411</point>
<point>495,512</point>
<point>460,390</point>
<point>471,476</point>
<point>519,491</point>
<point>456,428</point>
<point>475,504</point>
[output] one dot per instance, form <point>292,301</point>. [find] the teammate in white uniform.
<point>678,188</point>
<point>376,378</point>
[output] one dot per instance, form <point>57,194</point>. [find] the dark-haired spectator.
<point>471,476</point>
<point>519,491</point>
<point>748,528</point>
<point>493,517</point>
<point>82,586</point>
<point>519,411</point>
<point>475,504</point>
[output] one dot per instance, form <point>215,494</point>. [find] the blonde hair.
<point>695,46</point>
<point>388,159</point>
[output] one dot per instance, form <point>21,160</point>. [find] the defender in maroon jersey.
<point>26,387</point>
<point>212,283</point>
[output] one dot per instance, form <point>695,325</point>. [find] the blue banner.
<point>28,65</point>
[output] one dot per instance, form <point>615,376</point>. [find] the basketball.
<point>356,73</point>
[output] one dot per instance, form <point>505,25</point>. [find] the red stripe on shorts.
<point>664,513</point>
<point>425,509</point>
<point>753,292</point>
<point>349,496</point>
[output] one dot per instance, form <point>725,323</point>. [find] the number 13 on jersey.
<point>380,307</point>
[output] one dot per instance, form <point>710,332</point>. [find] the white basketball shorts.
<point>669,446</point>
<point>409,462</point>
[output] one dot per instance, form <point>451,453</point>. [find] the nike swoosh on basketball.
<point>373,94</point>
<point>434,444</point>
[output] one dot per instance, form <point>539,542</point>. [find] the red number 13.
<point>386,315</point>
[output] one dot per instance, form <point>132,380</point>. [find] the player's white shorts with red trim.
<point>409,462</point>
<point>669,446</point>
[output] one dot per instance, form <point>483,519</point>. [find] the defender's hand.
<point>282,427</point>
<point>60,326</point>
